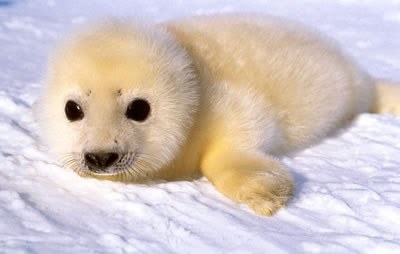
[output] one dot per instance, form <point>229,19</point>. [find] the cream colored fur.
<point>228,95</point>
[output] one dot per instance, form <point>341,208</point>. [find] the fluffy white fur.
<point>228,94</point>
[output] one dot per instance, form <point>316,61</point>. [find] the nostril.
<point>91,159</point>
<point>109,159</point>
<point>101,160</point>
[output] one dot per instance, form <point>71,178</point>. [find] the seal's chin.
<point>104,172</point>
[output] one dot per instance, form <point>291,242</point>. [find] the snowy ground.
<point>348,194</point>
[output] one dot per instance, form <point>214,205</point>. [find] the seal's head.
<point>119,100</point>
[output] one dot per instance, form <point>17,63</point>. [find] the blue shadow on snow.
<point>6,3</point>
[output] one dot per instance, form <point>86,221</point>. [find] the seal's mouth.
<point>102,164</point>
<point>125,167</point>
<point>107,164</point>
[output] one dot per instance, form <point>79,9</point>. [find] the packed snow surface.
<point>348,187</point>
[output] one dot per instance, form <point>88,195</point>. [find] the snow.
<point>348,187</point>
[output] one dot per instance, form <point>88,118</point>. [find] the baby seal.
<point>223,96</point>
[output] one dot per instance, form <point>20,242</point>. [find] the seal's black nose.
<point>100,160</point>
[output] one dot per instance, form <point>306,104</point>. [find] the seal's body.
<point>223,96</point>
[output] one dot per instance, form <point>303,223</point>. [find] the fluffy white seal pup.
<point>223,96</point>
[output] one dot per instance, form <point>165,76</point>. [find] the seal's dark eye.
<point>73,111</point>
<point>138,110</point>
